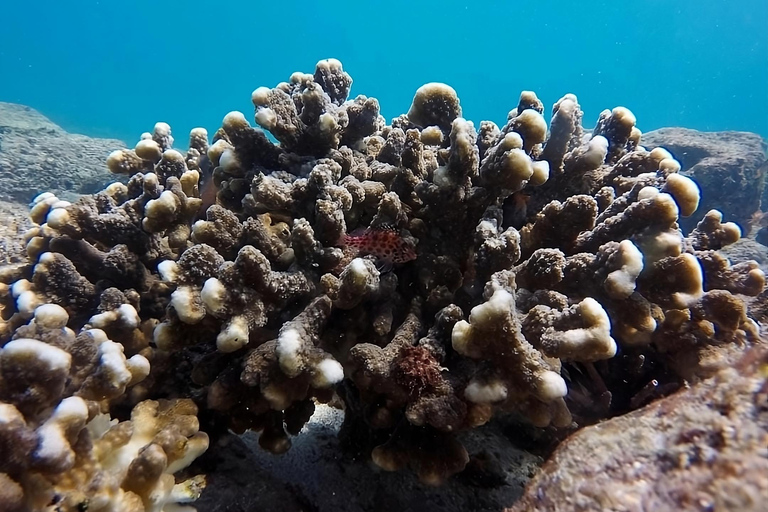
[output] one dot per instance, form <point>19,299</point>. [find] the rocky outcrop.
<point>703,448</point>
<point>36,155</point>
<point>14,221</point>
<point>730,167</point>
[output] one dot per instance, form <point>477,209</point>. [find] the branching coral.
<point>540,254</point>
<point>60,451</point>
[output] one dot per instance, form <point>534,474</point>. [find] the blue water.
<point>113,68</point>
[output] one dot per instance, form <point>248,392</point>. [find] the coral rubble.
<point>540,254</point>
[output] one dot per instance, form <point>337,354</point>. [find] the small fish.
<point>384,242</point>
<point>516,209</point>
<point>208,188</point>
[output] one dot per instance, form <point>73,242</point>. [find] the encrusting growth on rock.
<point>440,273</point>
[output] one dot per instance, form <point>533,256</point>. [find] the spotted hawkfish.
<point>384,242</point>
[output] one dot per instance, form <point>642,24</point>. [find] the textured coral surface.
<point>530,270</point>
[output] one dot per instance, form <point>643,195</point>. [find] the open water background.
<point>114,68</point>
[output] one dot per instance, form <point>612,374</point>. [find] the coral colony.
<point>538,253</point>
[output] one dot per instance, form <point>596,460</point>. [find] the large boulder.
<point>703,448</point>
<point>36,155</point>
<point>730,167</point>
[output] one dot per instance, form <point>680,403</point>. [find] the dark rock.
<point>730,168</point>
<point>37,156</point>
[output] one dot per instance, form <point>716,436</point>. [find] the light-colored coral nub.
<point>42,197</point>
<point>51,316</point>
<point>148,149</point>
<point>168,270</point>
<point>217,149</point>
<point>624,116</point>
<point>566,105</point>
<point>213,294</point>
<point>9,414</point>
<point>427,97</point>
<point>512,140</point>
<point>669,165</point>
<point>235,121</point>
<point>173,156</point>
<point>26,303</point>
<point>667,208</point>
<point>329,64</point>
<point>485,392</point>
<point>58,218</point>
<point>165,205</point>
<point>659,154</point>
<point>647,193</point>
<point>41,208</point>
<point>596,151</point>
<point>550,386</point>
<point>487,228</point>
<point>500,304</point>
<point>298,77</point>
<point>20,286</point>
<point>234,336</point>
<point>358,268</point>
<point>151,181</point>
<point>327,123</point>
<point>685,191</point>
<point>162,129</point>
<point>162,335</point>
<point>116,189</point>
<point>112,360</point>
<point>533,125</point>
<point>593,341</point>
<point>435,89</point>
<point>55,359</point>
<point>287,350</point>
<point>460,336</point>
<point>432,136</point>
<point>60,204</point>
<point>229,161</point>
<point>53,447</point>
<point>199,133</point>
<point>115,161</point>
<point>126,315</point>
<point>693,277</point>
<point>97,335</point>
<point>186,305</point>
<point>327,373</point>
<point>139,367</point>
<point>266,118</point>
<point>518,166</point>
<point>620,283</point>
<point>260,97</point>
<point>540,173</point>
